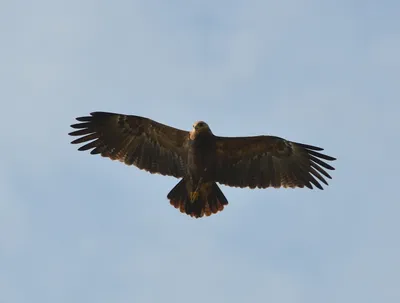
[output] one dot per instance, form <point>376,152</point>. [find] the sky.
<point>81,228</point>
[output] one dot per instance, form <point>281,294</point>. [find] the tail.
<point>208,201</point>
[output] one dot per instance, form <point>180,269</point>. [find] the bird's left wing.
<point>268,161</point>
<point>145,143</point>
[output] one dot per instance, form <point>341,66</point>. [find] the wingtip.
<point>83,119</point>
<point>308,146</point>
<point>100,113</point>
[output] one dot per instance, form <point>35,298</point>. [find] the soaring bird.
<point>201,159</point>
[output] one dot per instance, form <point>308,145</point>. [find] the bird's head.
<point>201,126</point>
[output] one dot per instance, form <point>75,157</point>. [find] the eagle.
<point>200,159</point>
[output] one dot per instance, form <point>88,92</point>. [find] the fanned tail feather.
<point>210,199</point>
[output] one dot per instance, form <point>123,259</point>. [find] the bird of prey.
<point>201,159</point>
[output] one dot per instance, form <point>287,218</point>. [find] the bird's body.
<point>202,159</point>
<point>197,190</point>
<point>202,155</point>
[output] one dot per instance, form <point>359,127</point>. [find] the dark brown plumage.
<point>202,159</point>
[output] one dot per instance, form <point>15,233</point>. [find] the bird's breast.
<point>201,157</point>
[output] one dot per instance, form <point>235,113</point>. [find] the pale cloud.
<point>13,220</point>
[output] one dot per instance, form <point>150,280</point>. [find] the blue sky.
<point>79,228</point>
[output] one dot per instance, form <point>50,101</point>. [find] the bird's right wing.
<point>145,143</point>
